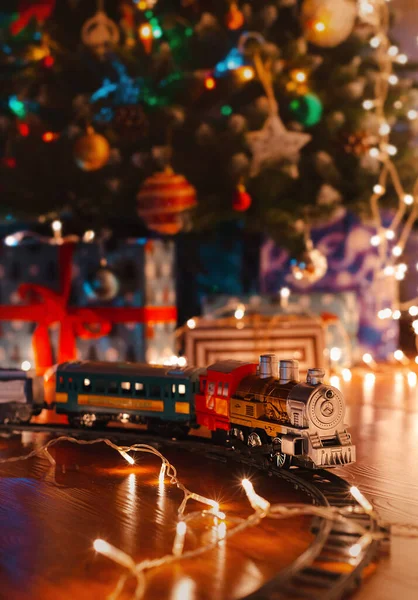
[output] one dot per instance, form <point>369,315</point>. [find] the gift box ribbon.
<point>45,307</point>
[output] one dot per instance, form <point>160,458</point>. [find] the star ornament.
<point>274,143</point>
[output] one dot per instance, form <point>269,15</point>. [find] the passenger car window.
<point>155,391</point>
<point>100,386</point>
<point>220,388</point>
<point>211,388</point>
<point>182,389</point>
<point>139,389</point>
<point>113,387</point>
<point>126,388</point>
<point>226,389</point>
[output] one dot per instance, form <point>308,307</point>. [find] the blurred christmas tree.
<point>264,106</point>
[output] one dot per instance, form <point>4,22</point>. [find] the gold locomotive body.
<point>303,421</point>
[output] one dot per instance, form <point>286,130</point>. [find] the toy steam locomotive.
<point>263,406</point>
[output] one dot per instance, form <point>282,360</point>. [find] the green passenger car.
<point>94,393</point>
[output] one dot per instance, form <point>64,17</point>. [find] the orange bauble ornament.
<point>163,199</point>
<point>241,200</point>
<point>234,18</point>
<point>91,151</point>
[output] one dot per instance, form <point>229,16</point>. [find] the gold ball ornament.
<point>327,23</point>
<point>311,268</point>
<point>91,151</point>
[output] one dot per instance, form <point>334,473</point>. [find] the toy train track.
<point>325,571</point>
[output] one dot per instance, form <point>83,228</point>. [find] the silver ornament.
<point>311,268</point>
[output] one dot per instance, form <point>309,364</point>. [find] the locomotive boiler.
<point>303,421</point>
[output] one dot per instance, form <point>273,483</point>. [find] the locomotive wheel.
<point>283,461</point>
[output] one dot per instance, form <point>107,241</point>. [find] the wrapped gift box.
<point>299,337</point>
<point>338,313</point>
<point>50,313</point>
<point>353,265</point>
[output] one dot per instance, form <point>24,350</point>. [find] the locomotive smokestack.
<point>268,366</point>
<point>315,376</point>
<point>289,371</point>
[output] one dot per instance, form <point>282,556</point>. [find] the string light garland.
<point>376,14</point>
<point>224,526</point>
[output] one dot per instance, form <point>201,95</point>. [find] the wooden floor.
<point>383,417</point>
<point>49,517</point>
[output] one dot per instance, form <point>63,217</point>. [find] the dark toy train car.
<point>16,397</point>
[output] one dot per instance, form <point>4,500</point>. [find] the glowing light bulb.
<point>396,251</point>
<point>246,73</point>
<point>26,365</point>
<point>393,79</point>
<point>413,311</point>
<point>300,76</point>
<point>182,361</point>
<point>398,355</point>
<point>367,358</point>
<point>89,235</point>
<point>49,136</point>
<point>114,554</point>
<point>389,234</point>
<point>239,312</point>
<point>284,292</point>
<point>356,549</point>
<point>416,360</point>
<point>368,104</point>
<point>402,59</point>
<point>375,42</point>
<point>389,270</point>
<point>399,275</point>
<point>378,189</point>
<point>191,324</point>
<point>415,324</point>
<point>391,150</point>
<point>210,83</point>
<point>178,545</point>
<point>256,501</point>
<point>335,353</point>
<point>412,114</point>
<point>384,129</point>
<point>393,50</point>
<point>362,500</point>
<point>319,26</point>
<point>375,240</point>
<point>126,456</point>
<point>408,199</point>
<point>396,315</point>
<point>10,240</point>
<point>56,226</point>
<point>346,374</point>
<point>374,152</point>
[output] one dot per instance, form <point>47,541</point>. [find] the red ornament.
<point>40,10</point>
<point>48,61</point>
<point>242,199</point>
<point>9,162</point>
<point>23,129</point>
<point>163,199</point>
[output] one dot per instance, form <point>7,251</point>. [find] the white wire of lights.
<point>223,526</point>
<point>376,13</point>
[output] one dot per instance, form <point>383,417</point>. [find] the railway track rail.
<point>325,570</point>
